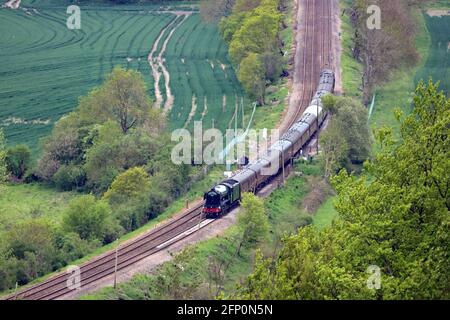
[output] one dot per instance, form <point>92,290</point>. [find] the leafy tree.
<point>69,177</point>
<point>251,75</point>
<point>72,247</point>
<point>258,34</point>
<point>130,184</point>
<point>170,282</point>
<point>214,10</point>
<point>89,218</point>
<point>124,99</point>
<point>347,139</point>
<point>31,243</point>
<point>395,217</point>
<point>252,220</point>
<point>8,269</point>
<point>252,31</point>
<point>129,196</point>
<point>334,149</point>
<point>18,160</point>
<point>113,129</point>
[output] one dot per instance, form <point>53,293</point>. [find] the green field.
<point>25,201</point>
<point>438,62</point>
<point>45,67</point>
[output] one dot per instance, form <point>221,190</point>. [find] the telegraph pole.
<point>115,265</point>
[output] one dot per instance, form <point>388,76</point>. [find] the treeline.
<point>113,147</point>
<point>392,236</point>
<point>252,31</point>
<point>387,49</point>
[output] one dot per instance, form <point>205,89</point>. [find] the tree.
<point>69,177</point>
<point>89,218</point>
<point>347,138</point>
<point>252,221</point>
<point>258,34</point>
<point>395,217</point>
<point>124,97</point>
<point>129,196</point>
<point>3,167</point>
<point>214,10</point>
<point>334,149</point>
<point>18,160</point>
<point>31,243</point>
<point>112,129</point>
<point>251,75</point>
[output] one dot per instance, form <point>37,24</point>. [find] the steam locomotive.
<point>226,195</point>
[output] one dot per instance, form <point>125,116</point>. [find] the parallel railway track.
<point>128,254</point>
<point>317,54</point>
<point>317,51</point>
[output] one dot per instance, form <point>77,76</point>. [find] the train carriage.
<point>227,194</point>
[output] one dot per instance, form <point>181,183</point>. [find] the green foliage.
<point>72,247</point>
<point>395,217</point>
<point>31,248</point>
<point>251,75</point>
<point>253,33</point>
<point>252,221</point>
<point>69,177</point>
<point>114,128</point>
<point>130,198</point>
<point>18,160</point>
<point>90,218</point>
<point>334,148</point>
<point>348,138</point>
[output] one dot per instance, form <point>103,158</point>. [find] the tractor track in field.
<point>157,63</point>
<point>315,54</point>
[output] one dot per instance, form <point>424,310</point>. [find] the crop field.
<point>438,63</point>
<point>45,67</point>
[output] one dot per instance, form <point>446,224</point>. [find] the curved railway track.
<point>317,54</point>
<point>128,254</point>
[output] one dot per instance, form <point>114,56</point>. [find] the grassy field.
<point>325,215</point>
<point>45,67</point>
<point>351,69</point>
<point>21,202</point>
<point>437,65</point>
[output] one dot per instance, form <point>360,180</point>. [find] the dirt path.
<point>154,65</point>
<point>170,98</point>
<point>193,111</point>
<point>157,63</point>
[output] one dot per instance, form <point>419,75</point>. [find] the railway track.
<point>317,54</point>
<point>127,255</point>
<point>317,51</point>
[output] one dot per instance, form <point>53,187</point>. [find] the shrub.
<point>18,160</point>
<point>69,177</point>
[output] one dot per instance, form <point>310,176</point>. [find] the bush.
<point>69,177</point>
<point>72,247</point>
<point>90,219</point>
<point>18,160</point>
